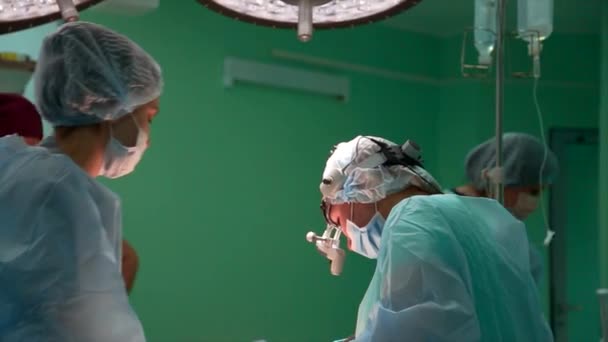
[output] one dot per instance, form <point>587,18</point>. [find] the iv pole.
<point>497,178</point>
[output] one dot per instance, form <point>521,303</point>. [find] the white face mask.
<point>525,205</point>
<point>120,160</point>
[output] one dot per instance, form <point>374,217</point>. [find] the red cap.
<point>19,116</point>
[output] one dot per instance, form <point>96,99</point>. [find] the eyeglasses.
<point>325,211</point>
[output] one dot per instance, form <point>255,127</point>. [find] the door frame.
<point>559,138</point>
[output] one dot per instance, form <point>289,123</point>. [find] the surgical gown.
<point>536,259</point>
<point>60,246</point>
<point>452,268</point>
<point>537,266</point>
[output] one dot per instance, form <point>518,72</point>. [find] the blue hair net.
<point>523,157</point>
<point>354,173</point>
<point>87,73</point>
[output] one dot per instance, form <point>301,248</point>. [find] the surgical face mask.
<point>525,205</point>
<point>366,240</point>
<point>120,160</point>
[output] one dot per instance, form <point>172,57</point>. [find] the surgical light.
<point>306,14</point>
<point>18,15</point>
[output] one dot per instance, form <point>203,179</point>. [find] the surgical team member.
<point>19,116</point>
<point>523,156</point>
<point>60,228</point>
<point>449,268</point>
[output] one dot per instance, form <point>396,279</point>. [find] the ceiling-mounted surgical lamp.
<point>306,14</point>
<point>18,15</point>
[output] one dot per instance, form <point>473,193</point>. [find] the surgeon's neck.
<point>469,190</point>
<point>386,205</point>
<point>84,145</point>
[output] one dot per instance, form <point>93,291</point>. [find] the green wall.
<point>234,172</point>
<point>219,207</point>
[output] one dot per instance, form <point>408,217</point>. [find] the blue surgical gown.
<point>452,268</point>
<point>60,252</point>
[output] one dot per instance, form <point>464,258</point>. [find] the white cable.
<point>550,232</point>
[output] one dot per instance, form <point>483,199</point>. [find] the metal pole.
<point>603,171</point>
<point>68,10</point>
<point>305,20</point>
<point>603,298</point>
<point>500,29</point>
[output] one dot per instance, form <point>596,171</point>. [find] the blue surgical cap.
<point>355,173</point>
<point>523,157</point>
<point>87,73</point>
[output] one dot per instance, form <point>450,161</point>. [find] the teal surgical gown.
<point>537,266</point>
<point>60,252</point>
<point>536,258</point>
<point>452,268</point>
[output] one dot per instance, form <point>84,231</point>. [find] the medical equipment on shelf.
<point>15,72</point>
<point>306,14</point>
<point>329,245</point>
